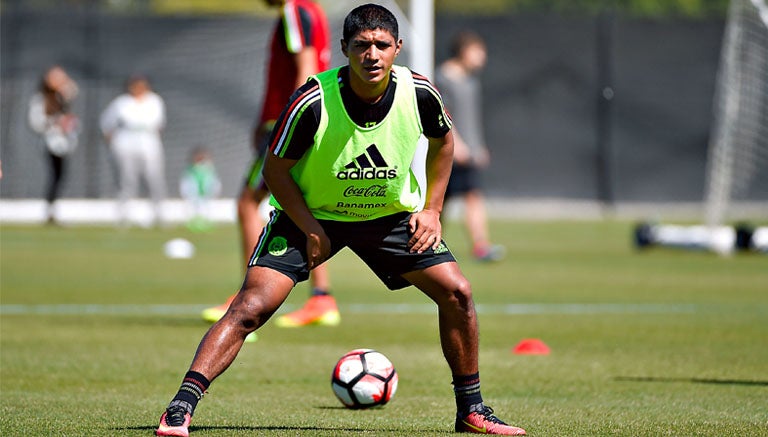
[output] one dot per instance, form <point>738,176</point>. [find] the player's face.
<point>474,56</point>
<point>138,87</point>
<point>371,54</point>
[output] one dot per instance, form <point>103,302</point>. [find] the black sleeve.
<point>305,21</point>
<point>295,129</point>
<point>435,120</point>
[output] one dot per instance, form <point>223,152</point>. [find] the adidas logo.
<point>367,166</point>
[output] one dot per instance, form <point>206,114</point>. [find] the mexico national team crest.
<point>278,246</point>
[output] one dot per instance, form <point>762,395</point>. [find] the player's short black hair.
<point>369,17</point>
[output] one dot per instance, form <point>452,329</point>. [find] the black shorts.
<point>464,178</point>
<point>381,243</point>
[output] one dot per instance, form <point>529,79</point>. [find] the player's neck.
<point>367,92</point>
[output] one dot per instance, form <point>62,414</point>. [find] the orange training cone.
<point>531,346</point>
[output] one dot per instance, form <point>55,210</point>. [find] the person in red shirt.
<point>300,47</point>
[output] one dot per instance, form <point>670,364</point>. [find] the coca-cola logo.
<point>372,191</point>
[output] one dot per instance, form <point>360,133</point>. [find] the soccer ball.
<point>364,378</point>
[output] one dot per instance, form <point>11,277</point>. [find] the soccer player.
<point>299,48</point>
<point>339,169</point>
<point>459,84</point>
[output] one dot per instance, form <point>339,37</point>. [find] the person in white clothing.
<point>132,124</point>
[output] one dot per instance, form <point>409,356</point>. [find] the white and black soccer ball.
<point>364,378</point>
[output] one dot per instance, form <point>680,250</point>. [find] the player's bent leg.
<point>450,290</point>
<point>251,225</point>
<point>264,290</point>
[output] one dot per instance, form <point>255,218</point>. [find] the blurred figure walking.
<point>458,81</point>
<point>50,115</point>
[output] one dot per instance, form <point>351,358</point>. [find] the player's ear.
<point>344,48</point>
<point>398,46</point>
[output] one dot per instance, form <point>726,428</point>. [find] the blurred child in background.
<point>199,184</point>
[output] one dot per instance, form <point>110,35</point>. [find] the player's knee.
<point>460,295</point>
<point>249,311</point>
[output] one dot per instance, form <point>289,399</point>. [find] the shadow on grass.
<point>279,428</point>
<point>692,380</point>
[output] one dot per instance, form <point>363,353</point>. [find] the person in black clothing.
<point>50,115</point>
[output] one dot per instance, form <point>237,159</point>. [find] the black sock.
<point>191,391</point>
<point>319,292</point>
<point>467,391</point>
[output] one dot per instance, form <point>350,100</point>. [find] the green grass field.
<point>98,327</point>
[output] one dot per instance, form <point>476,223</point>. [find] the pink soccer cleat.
<point>484,422</point>
<point>174,422</point>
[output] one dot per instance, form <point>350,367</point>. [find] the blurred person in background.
<point>50,116</point>
<point>132,124</point>
<point>198,185</point>
<point>458,82</point>
<point>300,47</point>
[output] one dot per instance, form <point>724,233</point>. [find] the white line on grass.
<point>362,308</point>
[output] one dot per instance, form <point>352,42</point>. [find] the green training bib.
<point>355,173</point>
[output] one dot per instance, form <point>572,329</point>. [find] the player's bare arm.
<point>283,187</point>
<point>461,153</point>
<point>425,224</point>
<point>306,65</point>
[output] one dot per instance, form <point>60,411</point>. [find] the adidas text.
<point>367,174</point>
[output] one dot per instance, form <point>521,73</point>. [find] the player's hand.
<point>461,155</point>
<point>426,231</point>
<point>318,249</point>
